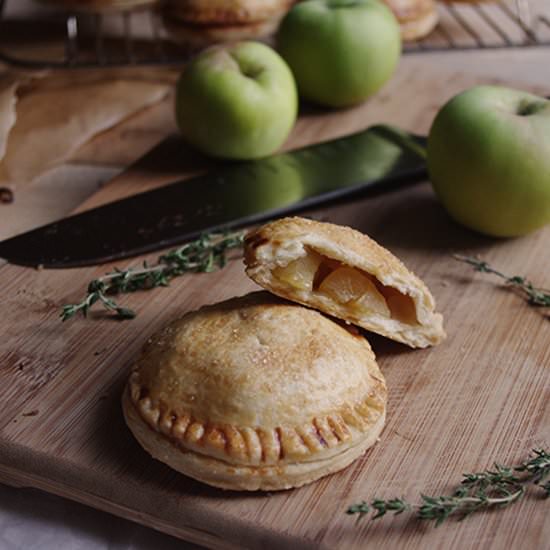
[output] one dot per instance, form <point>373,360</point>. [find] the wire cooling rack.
<point>138,38</point>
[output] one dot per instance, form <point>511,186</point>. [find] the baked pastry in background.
<point>344,273</point>
<point>100,5</point>
<point>228,12</point>
<point>200,23</point>
<point>203,35</point>
<point>256,393</point>
<point>417,18</point>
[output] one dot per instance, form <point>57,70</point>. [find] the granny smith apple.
<point>236,101</point>
<point>340,51</point>
<point>489,160</point>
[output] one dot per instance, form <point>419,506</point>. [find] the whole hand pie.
<point>346,274</point>
<point>256,393</point>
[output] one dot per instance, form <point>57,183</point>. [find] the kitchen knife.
<point>374,160</point>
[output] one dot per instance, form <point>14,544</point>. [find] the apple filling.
<point>351,287</point>
<point>360,292</point>
<point>300,274</point>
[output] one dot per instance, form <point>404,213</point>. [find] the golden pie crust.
<point>417,18</point>
<point>200,36</point>
<point>227,12</point>
<point>344,273</point>
<point>256,393</point>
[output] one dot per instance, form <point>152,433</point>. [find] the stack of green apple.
<point>240,101</point>
<point>488,150</point>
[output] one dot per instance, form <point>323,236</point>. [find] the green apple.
<point>489,160</point>
<point>236,101</point>
<point>340,51</point>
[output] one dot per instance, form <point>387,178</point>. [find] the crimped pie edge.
<point>324,436</point>
<point>221,474</point>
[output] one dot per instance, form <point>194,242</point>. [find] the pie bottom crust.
<point>240,477</point>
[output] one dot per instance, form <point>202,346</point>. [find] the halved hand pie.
<point>256,393</point>
<point>346,274</point>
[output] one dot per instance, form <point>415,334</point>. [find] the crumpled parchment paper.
<point>45,118</point>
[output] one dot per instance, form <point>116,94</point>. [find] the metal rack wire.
<point>84,42</point>
<point>489,25</point>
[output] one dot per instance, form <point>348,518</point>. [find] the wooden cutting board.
<point>479,397</point>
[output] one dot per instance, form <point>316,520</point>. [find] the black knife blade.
<point>375,160</point>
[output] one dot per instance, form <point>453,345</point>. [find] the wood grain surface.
<point>479,397</point>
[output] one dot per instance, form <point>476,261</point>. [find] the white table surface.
<point>32,520</point>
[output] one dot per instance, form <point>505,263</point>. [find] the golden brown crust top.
<point>278,243</point>
<point>258,380</point>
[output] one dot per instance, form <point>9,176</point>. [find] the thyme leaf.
<point>538,297</point>
<point>496,488</point>
<point>205,254</point>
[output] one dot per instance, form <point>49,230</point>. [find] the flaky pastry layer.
<point>257,384</point>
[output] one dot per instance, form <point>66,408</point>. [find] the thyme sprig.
<point>205,254</point>
<point>539,297</point>
<point>496,488</point>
